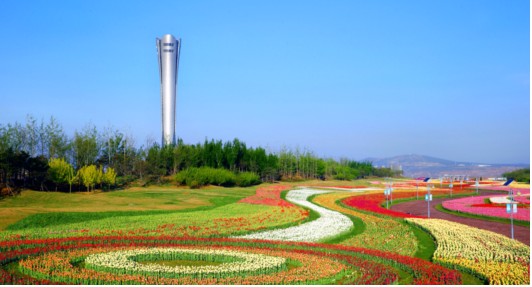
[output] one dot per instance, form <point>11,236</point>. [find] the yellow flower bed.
<point>497,273</point>
<point>489,255</point>
<point>459,240</point>
<point>381,234</point>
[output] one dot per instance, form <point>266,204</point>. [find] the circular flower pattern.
<point>126,261</point>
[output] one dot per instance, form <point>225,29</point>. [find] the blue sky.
<point>448,79</point>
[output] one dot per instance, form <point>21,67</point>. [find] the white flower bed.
<point>331,223</point>
<point>504,199</point>
<point>500,199</point>
<point>121,260</point>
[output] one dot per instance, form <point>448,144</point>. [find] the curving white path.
<point>331,223</point>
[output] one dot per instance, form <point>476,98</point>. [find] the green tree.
<point>109,176</point>
<point>70,177</point>
<point>58,171</point>
<point>89,176</point>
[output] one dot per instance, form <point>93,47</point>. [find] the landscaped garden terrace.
<point>309,233</point>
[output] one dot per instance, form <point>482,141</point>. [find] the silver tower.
<point>168,54</point>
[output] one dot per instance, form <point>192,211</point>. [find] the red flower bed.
<point>268,196</point>
<point>347,187</point>
<point>501,205</point>
<point>372,202</point>
<point>424,272</point>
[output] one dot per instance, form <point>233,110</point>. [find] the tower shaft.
<point>168,49</point>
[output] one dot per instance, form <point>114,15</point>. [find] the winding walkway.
<point>419,207</point>
<point>331,223</point>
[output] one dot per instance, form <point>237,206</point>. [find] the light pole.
<point>428,198</point>
<point>391,192</point>
<point>476,184</point>
<point>386,192</point>
<point>451,186</point>
<point>417,189</point>
<point>511,208</point>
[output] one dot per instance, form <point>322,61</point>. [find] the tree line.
<point>26,150</point>
<point>520,175</point>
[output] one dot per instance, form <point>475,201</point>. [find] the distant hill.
<point>422,165</point>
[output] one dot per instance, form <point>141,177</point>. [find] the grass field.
<point>132,201</point>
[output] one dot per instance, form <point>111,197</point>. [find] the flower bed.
<point>381,234</point>
<point>466,205</point>
<point>235,262</point>
<point>319,263</point>
<point>500,187</point>
<point>523,199</point>
<point>268,196</point>
<point>372,202</point>
<point>330,224</point>
<point>478,251</point>
<point>496,273</point>
<point>312,269</point>
<point>235,218</point>
<point>344,187</point>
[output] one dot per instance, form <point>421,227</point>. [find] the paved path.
<point>419,207</point>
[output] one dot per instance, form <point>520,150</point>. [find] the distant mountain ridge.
<point>423,160</point>
<point>422,165</point>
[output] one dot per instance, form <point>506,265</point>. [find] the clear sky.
<point>448,79</point>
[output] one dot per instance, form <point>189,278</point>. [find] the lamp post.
<point>511,208</point>
<point>386,192</point>
<point>476,184</point>
<point>451,186</point>
<point>391,192</point>
<point>417,189</point>
<point>428,198</point>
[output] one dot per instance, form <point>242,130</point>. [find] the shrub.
<point>247,179</point>
<point>198,177</point>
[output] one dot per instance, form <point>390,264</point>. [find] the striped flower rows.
<point>381,234</point>
<point>311,269</point>
<point>372,202</point>
<point>330,224</point>
<point>122,262</point>
<point>460,245</point>
<point>351,265</point>
<point>238,218</point>
<point>310,265</point>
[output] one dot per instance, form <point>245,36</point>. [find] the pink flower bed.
<point>523,199</point>
<point>464,205</point>
<point>500,187</point>
<point>268,196</point>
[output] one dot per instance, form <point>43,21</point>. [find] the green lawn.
<point>51,208</point>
